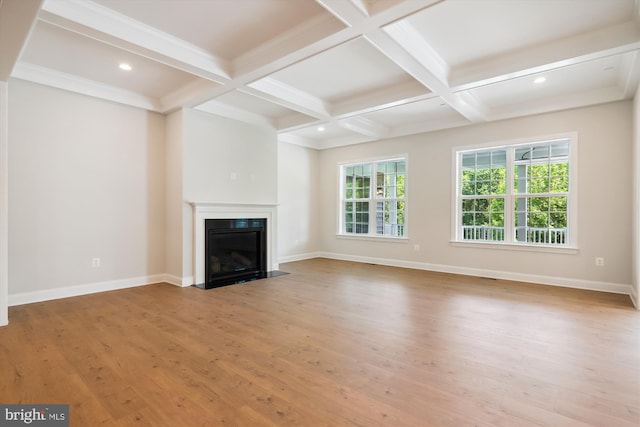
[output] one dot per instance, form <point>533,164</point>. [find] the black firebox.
<point>235,251</point>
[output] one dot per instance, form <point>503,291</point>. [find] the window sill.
<point>373,238</point>
<point>516,247</point>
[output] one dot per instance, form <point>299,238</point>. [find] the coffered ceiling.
<point>326,73</point>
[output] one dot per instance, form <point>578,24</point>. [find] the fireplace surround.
<point>203,211</point>
<point>235,251</point>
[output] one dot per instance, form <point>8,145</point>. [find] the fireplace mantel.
<point>203,210</point>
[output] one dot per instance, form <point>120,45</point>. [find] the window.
<point>520,193</point>
<point>373,198</point>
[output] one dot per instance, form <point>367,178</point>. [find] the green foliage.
<point>543,187</point>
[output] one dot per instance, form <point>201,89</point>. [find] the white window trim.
<point>372,236</point>
<point>571,247</point>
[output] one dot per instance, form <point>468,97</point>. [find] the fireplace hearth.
<point>235,251</point>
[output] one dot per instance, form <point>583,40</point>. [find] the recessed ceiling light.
<point>540,80</point>
<point>124,66</point>
<point>320,128</point>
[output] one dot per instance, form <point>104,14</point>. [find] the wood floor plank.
<point>331,344</point>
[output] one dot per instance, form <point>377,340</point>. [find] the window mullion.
<point>509,202</point>
<point>373,220</point>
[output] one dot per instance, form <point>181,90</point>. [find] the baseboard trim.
<point>634,297</point>
<point>90,288</point>
<point>299,257</point>
<point>616,288</point>
<point>178,281</point>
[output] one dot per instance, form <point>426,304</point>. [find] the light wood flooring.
<point>331,344</point>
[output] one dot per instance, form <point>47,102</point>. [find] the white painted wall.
<point>90,178</point>
<point>174,199</point>
<point>87,179</point>
<point>298,195</point>
<point>604,216</point>
<point>224,161</point>
<point>228,161</point>
<point>635,158</point>
<point>4,207</point>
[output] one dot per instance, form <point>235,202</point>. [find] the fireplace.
<point>204,211</point>
<point>235,251</point>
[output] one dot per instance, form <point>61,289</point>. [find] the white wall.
<point>604,211</point>
<point>86,180</point>
<point>228,161</point>
<point>299,200</point>
<point>174,203</point>
<point>635,290</point>
<point>4,208</point>
<point>224,161</point>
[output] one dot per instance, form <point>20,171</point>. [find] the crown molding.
<point>594,45</point>
<point>103,24</point>
<point>60,80</point>
<point>228,111</point>
<point>364,127</point>
<point>287,96</point>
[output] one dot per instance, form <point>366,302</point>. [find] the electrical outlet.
<point>95,263</point>
<point>600,261</point>
<point>416,248</point>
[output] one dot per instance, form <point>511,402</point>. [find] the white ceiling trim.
<point>290,97</point>
<point>361,22</point>
<point>343,141</point>
<point>630,73</point>
<point>349,12</point>
<point>583,99</point>
<point>299,140</point>
<point>296,121</point>
<point>184,96</point>
<point>57,79</point>
<point>585,47</point>
<point>428,126</point>
<point>305,39</point>
<point>16,21</point>
<point>381,100</point>
<point>362,5</point>
<point>408,62</point>
<point>219,109</point>
<point>364,127</point>
<point>163,46</point>
<point>412,41</point>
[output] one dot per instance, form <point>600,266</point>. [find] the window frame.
<point>510,196</point>
<point>372,200</point>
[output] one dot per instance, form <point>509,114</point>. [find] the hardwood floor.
<point>331,344</point>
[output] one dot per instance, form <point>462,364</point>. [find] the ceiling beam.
<point>290,97</point>
<point>364,127</point>
<point>228,111</point>
<point>406,35</point>
<point>584,47</point>
<point>103,24</point>
<point>17,19</point>
<point>72,83</point>
<point>472,111</point>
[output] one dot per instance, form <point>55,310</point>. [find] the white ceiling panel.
<point>274,113</point>
<point>600,80</point>
<point>68,52</point>
<point>433,110</point>
<point>344,72</point>
<point>464,31</point>
<point>366,69</point>
<point>226,28</point>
